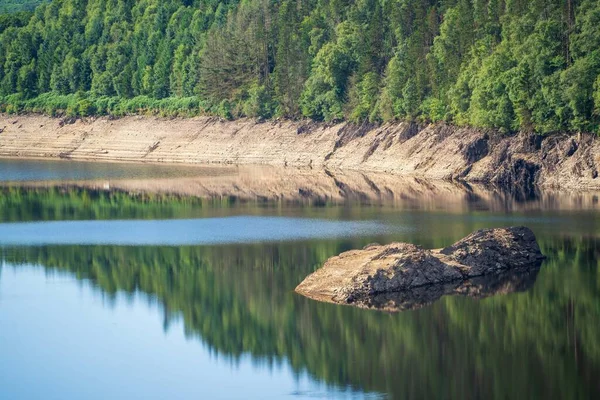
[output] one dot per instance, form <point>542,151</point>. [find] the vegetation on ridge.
<point>507,64</point>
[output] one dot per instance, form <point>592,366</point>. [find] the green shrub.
<point>259,102</point>
<point>224,110</point>
<point>85,108</point>
<point>433,109</point>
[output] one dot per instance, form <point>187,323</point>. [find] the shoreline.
<point>133,162</point>
<point>434,152</point>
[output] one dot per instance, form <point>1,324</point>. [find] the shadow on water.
<point>541,343</point>
<point>477,288</point>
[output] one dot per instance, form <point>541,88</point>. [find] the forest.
<point>511,65</point>
<point>12,6</point>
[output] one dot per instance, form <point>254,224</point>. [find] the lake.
<point>133,294</point>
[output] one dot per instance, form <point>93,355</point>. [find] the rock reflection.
<point>478,288</point>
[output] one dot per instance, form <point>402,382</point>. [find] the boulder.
<point>401,273</point>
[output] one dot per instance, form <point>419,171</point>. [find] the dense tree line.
<point>12,6</point>
<point>510,64</point>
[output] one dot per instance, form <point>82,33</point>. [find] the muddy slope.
<point>431,151</point>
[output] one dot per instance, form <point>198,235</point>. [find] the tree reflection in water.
<point>239,300</point>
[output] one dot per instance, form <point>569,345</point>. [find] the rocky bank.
<point>394,275</point>
<point>436,151</point>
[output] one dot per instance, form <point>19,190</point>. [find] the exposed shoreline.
<point>437,152</point>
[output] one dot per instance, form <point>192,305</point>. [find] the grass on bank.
<point>88,104</point>
<point>85,105</point>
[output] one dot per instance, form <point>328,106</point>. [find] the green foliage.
<point>511,65</point>
<point>259,103</point>
<point>85,104</point>
<point>597,96</point>
<point>490,102</point>
<point>433,109</point>
<point>15,6</point>
<point>224,110</point>
<point>291,59</point>
<point>323,96</point>
<point>364,107</point>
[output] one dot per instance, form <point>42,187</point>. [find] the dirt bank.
<point>432,151</point>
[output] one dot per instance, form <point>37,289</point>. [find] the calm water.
<point>121,297</point>
<point>22,170</point>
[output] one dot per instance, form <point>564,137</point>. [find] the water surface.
<point>178,232</point>
<point>24,170</point>
<point>120,296</point>
<point>111,339</point>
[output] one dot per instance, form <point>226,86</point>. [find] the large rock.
<point>378,276</point>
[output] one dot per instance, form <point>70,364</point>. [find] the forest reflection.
<point>239,300</point>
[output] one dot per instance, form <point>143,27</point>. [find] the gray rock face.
<point>361,277</point>
<point>491,250</point>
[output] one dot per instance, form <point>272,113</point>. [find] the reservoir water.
<point>121,295</point>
